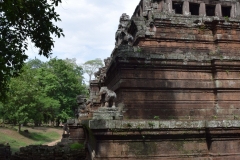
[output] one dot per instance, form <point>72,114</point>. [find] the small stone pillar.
<point>186,10</point>
<point>169,6</point>
<point>218,10</point>
<point>161,6</point>
<point>237,9</point>
<point>202,9</point>
<point>234,10</point>
<point>94,90</point>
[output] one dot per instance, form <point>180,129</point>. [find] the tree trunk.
<point>57,122</point>
<point>19,127</point>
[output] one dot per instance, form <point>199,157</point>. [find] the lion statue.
<point>108,97</point>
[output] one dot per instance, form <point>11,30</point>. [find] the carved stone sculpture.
<point>101,73</point>
<point>107,61</point>
<point>146,5</point>
<point>82,110</point>
<point>107,97</point>
<point>122,36</point>
<point>155,5</point>
<point>65,129</point>
<point>151,30</point>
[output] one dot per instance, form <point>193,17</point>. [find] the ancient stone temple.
<point>175,73</point>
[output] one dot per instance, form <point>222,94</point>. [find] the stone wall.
<point>169,88</point>
<point>160,140</point>
<point>49,153</point>
<point>5,152</point>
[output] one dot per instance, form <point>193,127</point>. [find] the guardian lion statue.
<point>108,97</point>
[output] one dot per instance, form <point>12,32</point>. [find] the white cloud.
<point>89,28</point>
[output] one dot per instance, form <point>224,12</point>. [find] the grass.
<point>36,136</point>
<point>41,138</point>
<point>15,144</point>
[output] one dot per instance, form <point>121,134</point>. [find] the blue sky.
<point>89,27</point>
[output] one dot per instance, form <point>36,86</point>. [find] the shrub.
<point>77,146</point>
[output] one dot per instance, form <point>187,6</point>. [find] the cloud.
<point>89,28</point>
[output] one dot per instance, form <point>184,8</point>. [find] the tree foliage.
<point>23,22</point>
<point>43,92</point>
<point>90,67</point>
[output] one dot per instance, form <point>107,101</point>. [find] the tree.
<point>90,67</point>
<point>21,22</point>
<point>43,92</point>
<point>1,112</point>
<point>27,101</point>
<point>68,83</point>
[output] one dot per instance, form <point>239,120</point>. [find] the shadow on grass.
<point>39,137</point>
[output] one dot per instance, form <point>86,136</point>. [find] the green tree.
<point>65,84</point>
<point>90,67</point>
<point>35,63</point>
<point>23,22</point>
<point>43,92</point>
<point>27,101</point>
<point>1,112</point>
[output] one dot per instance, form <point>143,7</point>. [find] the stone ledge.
<point>160,124</point>
<point>161,55</point>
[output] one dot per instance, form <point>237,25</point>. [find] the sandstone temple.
<point>170,88</point>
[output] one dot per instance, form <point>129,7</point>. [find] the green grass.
<point>36,136</point>
<point>13,142</point>
<point>41,138</point>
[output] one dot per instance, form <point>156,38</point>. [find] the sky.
<point>89,27</point>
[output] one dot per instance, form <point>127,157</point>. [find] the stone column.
<point>237,9</point>
<point>186,10</point>
<point>160,6</point>
<point>169,6</point>
<point>202,9</point>
<point>234,10</point>
<point>218,10</point>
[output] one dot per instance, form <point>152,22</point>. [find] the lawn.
<point>37,135</point>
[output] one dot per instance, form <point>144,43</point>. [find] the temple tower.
<point>176,73</point>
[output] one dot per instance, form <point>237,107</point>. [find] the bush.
<point>77,146</point>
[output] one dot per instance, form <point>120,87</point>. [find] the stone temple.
<point>171,87</point>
